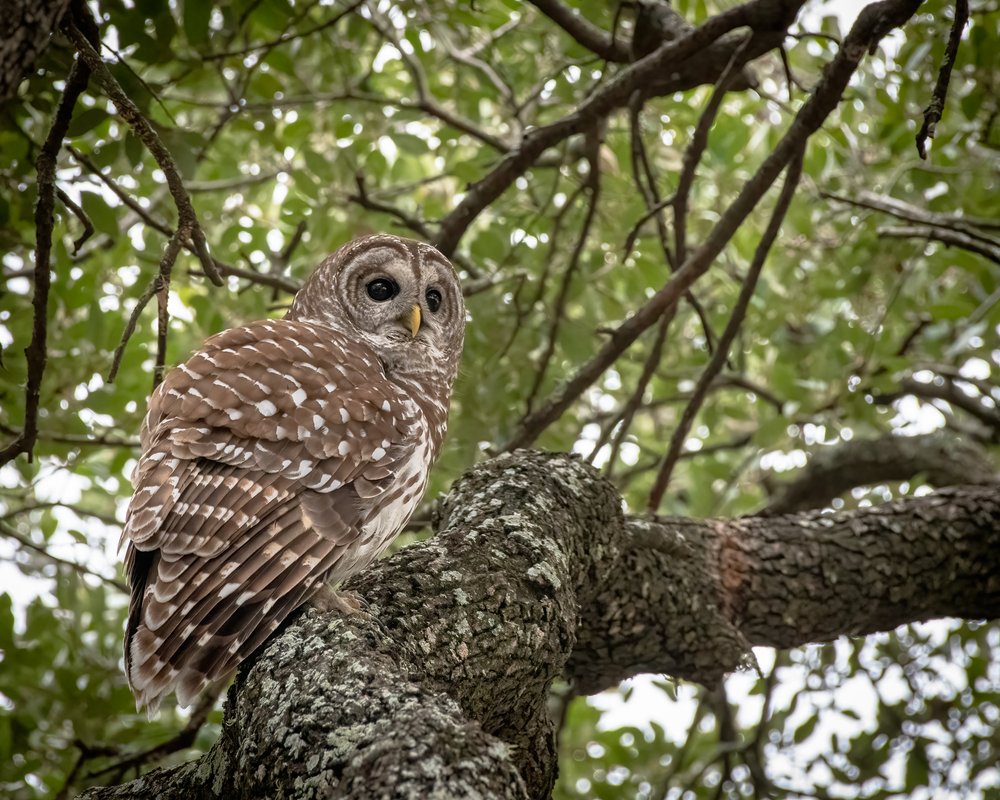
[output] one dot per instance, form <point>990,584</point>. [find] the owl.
<point>284,456</point>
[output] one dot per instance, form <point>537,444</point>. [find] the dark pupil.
<point>382,289</point>
<point>433,299</point>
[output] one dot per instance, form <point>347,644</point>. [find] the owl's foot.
<point>346,603</point>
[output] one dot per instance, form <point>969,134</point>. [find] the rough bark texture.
<point>536,574</point>
<point>25,29</point>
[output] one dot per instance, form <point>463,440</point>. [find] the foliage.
<point>276,116</point>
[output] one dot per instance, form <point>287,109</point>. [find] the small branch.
<point>584,33</point>
<point>943,235</point>
<point>80,214</point>
<point>156,286</point>
<point>610,96</point>
<point>971,226</point>
<point>933,112</point>
<point>696,148</point>
<point>835,470</point>
<point>129,112</point>
<point>718,359</point>
<point>81,569</point>
<point>558,312</point>
<point>183,739</point>
<point>36,352</point>
<point>285,38</point>
<point>170,254</point>
<point>874,22</point>
<point>415,224</point>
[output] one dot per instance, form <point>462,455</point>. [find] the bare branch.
<point>874,22</point>
<point>610,96</point>
<point>583,32</point>
<point>718,359</point>
<point>80,214</point>
<point>36,352</point>
<point>285,38</point>
<point>933,112</point>
<point>81,569</point>
<point>129,112</point>
<point>945,236</point>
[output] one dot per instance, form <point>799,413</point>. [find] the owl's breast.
<point>390,510</point>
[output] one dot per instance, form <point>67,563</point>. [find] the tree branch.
<point>187,218</point>
<point>536,575</point>
<point>943,459</point>
<point>36,352</point>
<point>718,360</point>
<point>874,22</point>
<point>933,112</point>
<point>583,32</point>
<point>767,13</point>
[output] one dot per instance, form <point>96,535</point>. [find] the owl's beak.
<point>413,318</point>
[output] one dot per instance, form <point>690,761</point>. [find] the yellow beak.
<point>414,320</point>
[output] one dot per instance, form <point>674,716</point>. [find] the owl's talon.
<point>346,603</point>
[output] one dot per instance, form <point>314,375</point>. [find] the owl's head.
<point>399,296</point>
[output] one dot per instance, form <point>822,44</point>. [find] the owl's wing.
<point>262,454</point>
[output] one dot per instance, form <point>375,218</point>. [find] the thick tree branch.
<point>534,575</point>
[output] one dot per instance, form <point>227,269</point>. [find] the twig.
<point>133,319</point>
<point>107,519</point>
<point>623,423</point>
<point>584,33</point>
<point>36,352</point>
<point>933,112</point>
<point>170,254</point>
<point>728,335</point>
<point>70,438</point>
<point>80,214</point>
<point>425,99</point>
<point>187,219</point>
<point>943,235</point>
<point>415,224</point>
<point>874,22</point>
<point>81,569</point>
<point>971,226</point>
<point>182,739</point>
<point>558,312</point>
<point>610,96</point>
<point>696,149</point>
<point>650,213</point>
<point>283,38</point>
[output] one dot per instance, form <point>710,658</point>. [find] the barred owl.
<point>283,456</point>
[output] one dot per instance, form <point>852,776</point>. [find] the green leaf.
<point>196,16</point>
<point>86,120</point>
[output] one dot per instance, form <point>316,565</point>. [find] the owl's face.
<point>400,296</point>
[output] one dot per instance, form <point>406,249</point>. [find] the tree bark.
<point>536,574</point>
<point>25,29</point>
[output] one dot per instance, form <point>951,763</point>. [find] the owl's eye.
<point>382,289</point>
<point>433,299</point>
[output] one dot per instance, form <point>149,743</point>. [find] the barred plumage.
<point>285,455</point>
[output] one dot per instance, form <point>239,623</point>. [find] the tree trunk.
<point>535,574</point>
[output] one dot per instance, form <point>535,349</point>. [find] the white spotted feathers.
<point>283,455</point>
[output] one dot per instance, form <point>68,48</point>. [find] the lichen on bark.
<point>534,574</point>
